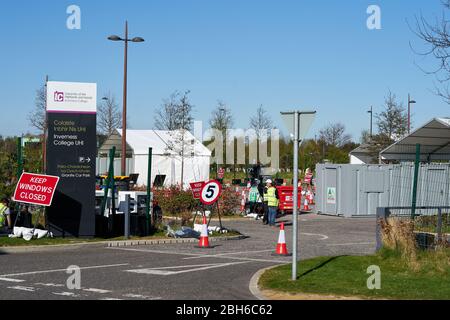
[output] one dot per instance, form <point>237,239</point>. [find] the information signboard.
<point>71,153</point>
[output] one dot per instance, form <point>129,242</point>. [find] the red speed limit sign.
<point>210,192</point>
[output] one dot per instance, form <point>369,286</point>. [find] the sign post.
<point>71,154</point>
<point>196,188</point>
<point>298,124</point>
<point>209,195</point>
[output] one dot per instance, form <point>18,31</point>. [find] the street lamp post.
<point>409,112</point>
<point>125,83</point>
<point>222,124</point>
<point>371,120</point>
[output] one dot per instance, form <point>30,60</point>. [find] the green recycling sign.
<point>331,195</point>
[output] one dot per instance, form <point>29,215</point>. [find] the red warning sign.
<point>197,189</point>
<point>36,189</point>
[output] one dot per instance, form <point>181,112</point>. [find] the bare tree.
<point>334,135</point>
<point>393,121</point>
<point>37,117</point>
<point>437,36</point>
<point>221,118</point>
<point>261,121</point>
<point>109,117</point>
<point>176,116</point>
<point>365,137</point>
<point>175,113</point>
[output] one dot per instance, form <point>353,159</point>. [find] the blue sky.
<point>282,54</point>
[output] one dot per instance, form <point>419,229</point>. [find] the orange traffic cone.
<point>306,205</point>
<point>204,240</point>
<point>281,246</point>
<point>243,201</point>
<point>311,196</point>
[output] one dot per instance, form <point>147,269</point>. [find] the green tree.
<point>378,143</point>
<point>393,120</point>
<point>8,166</point>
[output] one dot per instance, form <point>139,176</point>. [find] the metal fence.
<point>431,225</point>
<point>433,185</point>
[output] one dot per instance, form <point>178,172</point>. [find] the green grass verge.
<point>347,276</point>
<point>19,242</point>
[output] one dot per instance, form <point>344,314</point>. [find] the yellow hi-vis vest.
<point>271,197</point>
<point>3,209</point>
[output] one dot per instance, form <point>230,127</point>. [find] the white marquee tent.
<point>167,159</point>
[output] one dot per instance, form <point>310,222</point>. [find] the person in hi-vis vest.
<point>253,197</point>
<point>5,213</point>
<point>271,197</point>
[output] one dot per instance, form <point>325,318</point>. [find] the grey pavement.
<point>178,271</point>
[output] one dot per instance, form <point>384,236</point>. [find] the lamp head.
<point>114,38</point>
<point>137,39</point>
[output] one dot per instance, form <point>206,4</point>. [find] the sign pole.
<point>298,123</point>
<point>150,221</point>
<point>295,209</point>
<point>19,174</point>
<point>220,218</point>
<point>210,194</point>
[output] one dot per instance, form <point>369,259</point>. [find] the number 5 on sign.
<point>211,192</point>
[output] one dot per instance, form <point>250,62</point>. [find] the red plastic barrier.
<point>286,195</point>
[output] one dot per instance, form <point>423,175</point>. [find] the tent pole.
<point>149,219</point>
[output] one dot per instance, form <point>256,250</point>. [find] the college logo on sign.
<point>71,97</point>
<point>59,96</point>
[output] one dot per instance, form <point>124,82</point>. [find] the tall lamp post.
<point>125,80</point>
<point>410,102</point>
<point>223,113</point>
<point>371,120</point>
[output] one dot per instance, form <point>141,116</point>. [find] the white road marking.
<point>140,296</point>
<point>227,254</point>
<point>155,251</point>
<point>165,271</point>
<point>323,236</point>
<point>11,280</point>
<point>254,260</point>
<point>50,285</point>
<point>66,294</point>
<point>28,289</point>
<point>102,291</point>
<point>64,270</point>
<point>351,244</point>
<point>198,255</point>
<point>110,299</point>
